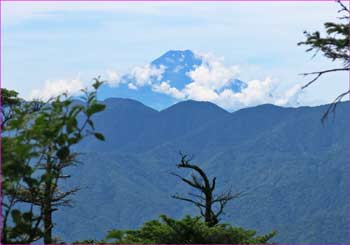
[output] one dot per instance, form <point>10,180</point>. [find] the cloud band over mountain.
<point>183,75</point>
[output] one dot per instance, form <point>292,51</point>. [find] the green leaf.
<point>94,108</point>
<point>99,136</point>
<point>115,234</point>
<point>16,215</point>
<point>63,153</point>
<point>71,125</point>
<point>97,83</point>
<point>27,216</point>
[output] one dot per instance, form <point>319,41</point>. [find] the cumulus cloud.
<point>165,88</point>
<point>54,88</point>
<point>196,91</point>
<point>139,76</point>
<point>145,75</point>
<point>113,78</point>
<point>212,73</point>
<point>290,97</point>
<point>213,81</point>
<point>132,86</point>
<point>257,92</point>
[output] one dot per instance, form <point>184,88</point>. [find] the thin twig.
<point>320,73</point>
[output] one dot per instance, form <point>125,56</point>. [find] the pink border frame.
<point>168,1</point>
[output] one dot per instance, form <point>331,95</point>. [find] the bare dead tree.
<point>211,206</point>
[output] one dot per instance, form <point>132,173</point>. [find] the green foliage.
<point>9,101</point>
<point>9,97</point>
<point>37,146</point>
<point>335,44</point>
<point>16,171</point>
<point>25,229</point>
<point>189,230</point>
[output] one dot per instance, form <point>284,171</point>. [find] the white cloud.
<point>54,88</point>
<point>132,86</point>
<point>196,91</point>
<point>144,75</point>
<point>257,92</point>
<point>210,78</point>
<point>113,78</point>
<point>165,88</point>
<point>290,97</point>
<point>212,73</point>
<point>112,75</point>
<point>212,81</point>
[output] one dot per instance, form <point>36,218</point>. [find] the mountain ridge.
<point>294,166</point>
<point>265,105</point>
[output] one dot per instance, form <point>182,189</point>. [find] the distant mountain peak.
<point>178,60</point>
<point>114,100</point>
<point>127,103</point>
<point>178,54</point>
<point>176,68</point>
<point>193,105</point>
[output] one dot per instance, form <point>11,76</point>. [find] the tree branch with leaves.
<point>334,46</point>
<point>38,148</point>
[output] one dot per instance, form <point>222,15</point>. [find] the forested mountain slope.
<point>294,169</point>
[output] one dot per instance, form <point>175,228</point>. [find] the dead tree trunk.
<point>206,200</point>
<point>47,204</point>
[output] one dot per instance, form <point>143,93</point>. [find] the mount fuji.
<point>173,68</point>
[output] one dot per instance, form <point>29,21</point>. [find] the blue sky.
<point>50,45</point>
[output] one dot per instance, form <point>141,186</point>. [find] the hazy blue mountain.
<point>124,120</point>
<point>176,64</point>
<point>134,126</point>
<point>294,169</point>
